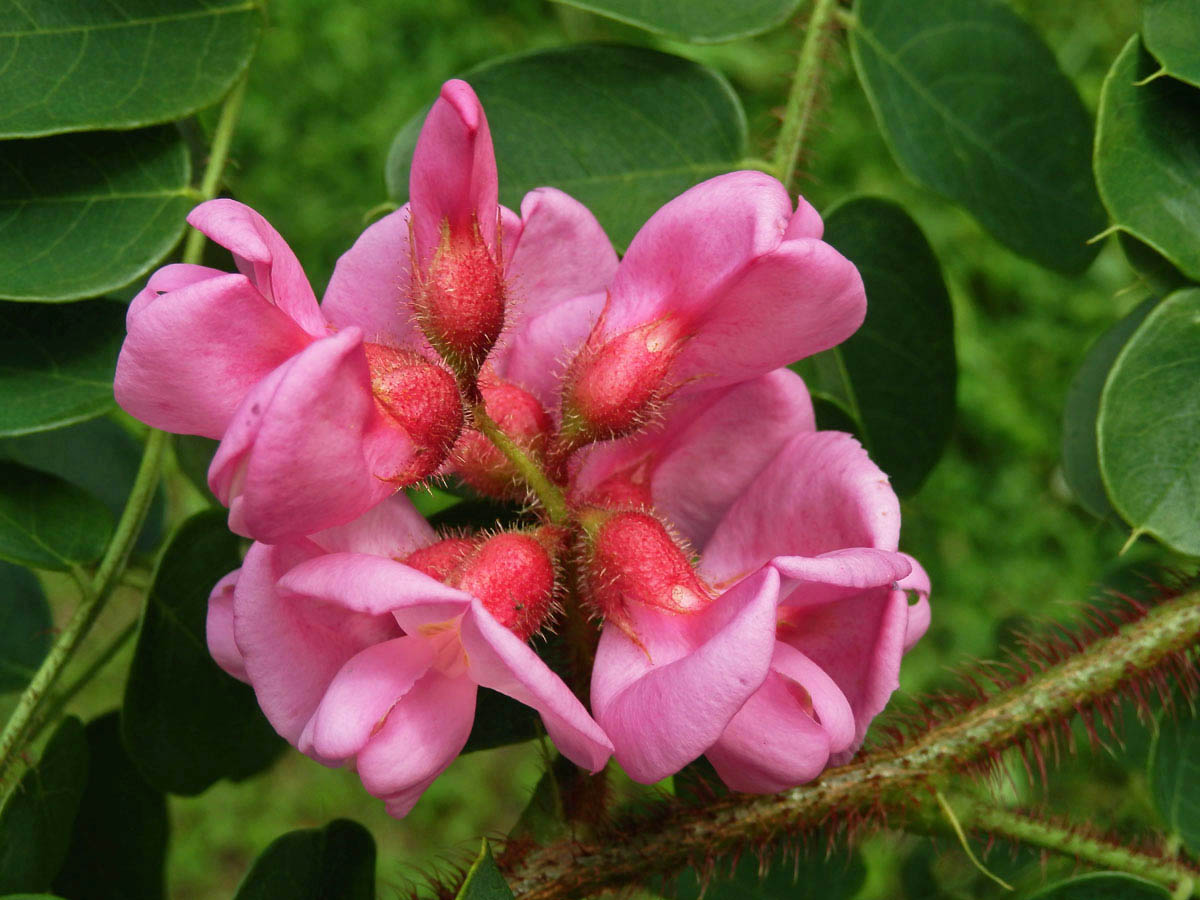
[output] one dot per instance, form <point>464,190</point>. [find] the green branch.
<point>894,780</point>
<point>544,489</point>
<point>802,97</point>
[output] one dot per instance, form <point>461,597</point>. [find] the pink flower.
<point>723,284</point>
<point>797,522</point>
<point>356,657</point>
<point>323,411</point>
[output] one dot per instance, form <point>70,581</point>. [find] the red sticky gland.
<point>459,300</point>
<point>632,558</point>
<point>420,397</point>
<point>443,560</point>
<point>613,389</point>
<point>520,416</point>
<point>513,575</point>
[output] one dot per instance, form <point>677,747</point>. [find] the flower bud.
<point>420,397</point>
<point>613,388</point>
<point>631,558</point>
<point>520,416</point>
<point>459,301</point>
<point>513,575</point>
<point>443,560</point>
<point>625,490</point>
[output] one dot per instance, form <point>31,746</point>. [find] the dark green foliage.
<point>336,862</point>
<point>484,881</point>
<point>26,628</point>
<point>47,523</point>
<point>186,723</point>
<point>702,21</point>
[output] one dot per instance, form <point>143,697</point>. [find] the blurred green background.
<point>994,524</point>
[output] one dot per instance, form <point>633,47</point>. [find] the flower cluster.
<point>742,566</point>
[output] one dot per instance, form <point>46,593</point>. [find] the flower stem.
<point>547,492</point>
<point>210,184</point>
<point>94,596</point>
<point>797,113</point>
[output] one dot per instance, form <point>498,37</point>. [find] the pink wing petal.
<point>499,660</point>
<point>799,299</point>
<point>453,174</point>
<point>298,456</point>
<point>771,744</point>
<point>694,247</point>
<point>219,628</point>
<point>662,710</point>
<point>293,646</point>
<point>362,694</point>
<point>392,529</point>
<point>820,493</point>
<point>806,222</point>
<point>193,354</point>
<point>372,284</point>
<point>169,278</point>
<point>830,708</point>
<point>422,735</point>
<point>562,253</point>
<point>262,256</point>
<point>918,613</point>
<point>376,586</point>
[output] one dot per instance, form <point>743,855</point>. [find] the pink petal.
<point>709,461</point>
<point>820,493</point>
<point>219,628</point>
<point>422,735</point>
<point>305,445</point>
<point>833,576</point>
<point>499,660</point>
<point>806,222</point>
<point>372,283</point>
<point>801,298</point>
<point>293,646</point>
<point>536,356</point>
<point>193,354</point>
<point>667,702</point>
<point>562,252</point>
<point>169,278</point>
<point>376,586</point>
<point>362,694</point>
<point>694,247</point>
<point>858,640</point>
<point>393,528</point>
<point>453,174</point>
<point>262,256</point>
<point>771,744</point>
<point>830,708</point>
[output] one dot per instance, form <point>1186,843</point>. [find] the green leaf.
<point>1148,157</point>
<point>81,214</point>
<point>1159,275</point>
<point>1080,450</point>
<point>1149,425</point>
<point>500,720</point>
<point>1104,886</point>
<point>1171,30</point>
<point>700,21</point>
<point>788,877</point>
<point>47,523</point>
<point>621,129</point>
<point>99,456</point>
<point>484,881</point>
<point>336,862</point>
<point>187,723</point>
<point>35,826</point>
<point>26,626</point>
<point>129,860</point>
<point>72,66</point>
<point>974,106</point>
<point>543,820</point>
<point>1175,774</point>
<point>57,363</point>
<point>896,376</point>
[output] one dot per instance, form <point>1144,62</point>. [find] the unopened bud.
<point>459,301</point>
<point>625,490</point>
<point>612,389</point>
<point>513,574</point>
<point>520,416</point>
<point>420,397</point>
<point>631,558</point>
